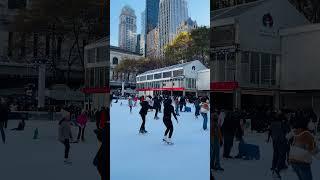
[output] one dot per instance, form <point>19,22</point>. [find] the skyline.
<point>197,11</point>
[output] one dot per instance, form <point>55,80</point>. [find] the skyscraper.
<point>128,29</point>
<point>151,20</point>
<point>171,14</point>
<point>152,12</point>
<point>143,33</point>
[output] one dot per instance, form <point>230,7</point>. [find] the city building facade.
<point>96,87</point>
<point>178,79</point>
<point>128,29</point>
<point>153,43</point>
<point>171,14</point>
<point>151,18</point>
<point>246,52</point>
<point>187,26</point>
<point>143,34</point>
<point>116,56</point>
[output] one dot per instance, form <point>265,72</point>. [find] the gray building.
<point>128,29</point>
<point>171,14</point>
<point>246,52</point>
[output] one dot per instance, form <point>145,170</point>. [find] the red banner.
<point>224,86</point>
<point>96,90</point>
<point>161,89</point>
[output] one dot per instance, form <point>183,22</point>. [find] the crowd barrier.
<point>34,115</point>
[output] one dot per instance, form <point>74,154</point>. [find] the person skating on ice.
<point>143,113</point>
<point>65,134</point>
<point>156,106</point>
<point>167,111</point>
<point>130,103</point>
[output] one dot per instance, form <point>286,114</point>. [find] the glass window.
<point>150,77</point>
<point>265,69</point>
<point>142,78</point>
<point>255,68</point>
<point>273,69</point>
<point>115,60</point>
<point>97,77</point>
<point>91,55</point>
<point>102,77</point>
<point>177,73</point>
<point>157,76</point>
<point>91,77</point>
<point>102,54</point>
<point>167,74</point>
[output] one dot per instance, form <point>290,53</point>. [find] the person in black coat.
<point>143,113</point>
<point>167,111</point>
<point>229,128</point>
<point>156,106</point>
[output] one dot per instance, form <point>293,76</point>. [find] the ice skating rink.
<point>23,158</point>
<point>146,157</point>
<point>257,170</point>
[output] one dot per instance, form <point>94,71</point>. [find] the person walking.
<point>302,149</point>
<point>215,144</point>
<point>277,132</point>
<point>204,112</point>
<point>143,113</point>
<point>82,120</point>
<point>182,102</point>
<point>167,111</point>
<point>228,128</point>
<point>65,134</point>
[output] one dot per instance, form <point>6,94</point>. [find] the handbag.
<point>299,154</point>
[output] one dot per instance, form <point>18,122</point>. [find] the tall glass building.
<point>128,29</point>
<point>152,12</point>
<point>171,14</point>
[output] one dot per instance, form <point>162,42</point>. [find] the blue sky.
<point>199,10</point>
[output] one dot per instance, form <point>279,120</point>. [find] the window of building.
<point>167,74</point>
<point>150,77</point>
<point>177,73</point>
<point>91,55</point>
<point>157,76</point>
<point>115,60</point>
<point>91,77</point>
<point>102,54</point>
<point>142,78</point>
<point>17,4</point>
<point>255,68</point>
<point>273,69</point>
<point>265,69</point>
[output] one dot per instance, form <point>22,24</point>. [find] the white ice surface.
<point>257,170</point>
<point>23,158</point>
<point>146,157</point>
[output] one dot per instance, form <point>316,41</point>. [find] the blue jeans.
<point>302,170</point>
<point>177,109</point>
<point>205,120</point>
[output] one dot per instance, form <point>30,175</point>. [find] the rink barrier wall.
<point>34,115</point>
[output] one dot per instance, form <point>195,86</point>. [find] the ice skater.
<point>65,134</point>
<point>204,112</point>
<point>143,113</point>
<point>82,120</point>
<point>167,111</point>
<point>130,103</point>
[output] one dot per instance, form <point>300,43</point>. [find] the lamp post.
<point>41,65</point>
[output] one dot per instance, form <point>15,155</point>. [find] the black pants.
<point>279,154</point>
<point>181,106</point>
<point>81,132</point>
<point>143,117</point>
<point>3,135</point>
<point>157,111</point>
<point>168,123</point>
<point>66,148</point>
<point>6,123</point>
<point>228,143</point>
<point>130,108</point>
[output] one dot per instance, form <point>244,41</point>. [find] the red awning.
<point>224,86</point>
<point>96,90</point>
<point>161,89</point>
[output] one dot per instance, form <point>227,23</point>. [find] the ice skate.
<point>165,139</point>
<point>67,161</point>
<point>169,142</point>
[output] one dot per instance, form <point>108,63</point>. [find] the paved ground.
<point>258,170</point>
<point>28,159</point>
